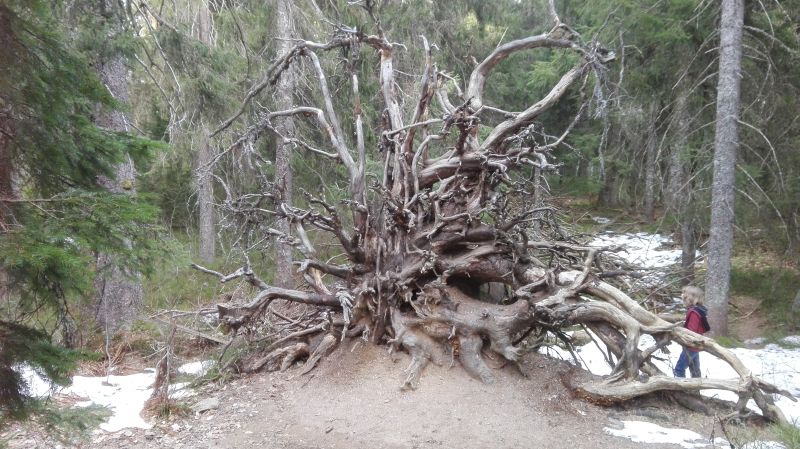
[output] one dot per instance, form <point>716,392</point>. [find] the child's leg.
<point>683,363</point>
<point>694,364</point>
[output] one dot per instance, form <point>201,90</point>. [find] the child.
<point>696,322</point>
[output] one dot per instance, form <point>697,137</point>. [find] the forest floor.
<point>352,400</point>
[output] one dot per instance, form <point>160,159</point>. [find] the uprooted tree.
<point>448,214</point>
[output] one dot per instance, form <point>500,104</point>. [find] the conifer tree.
<point>57,217</point>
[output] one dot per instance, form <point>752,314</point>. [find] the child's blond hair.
<point>692,296</point>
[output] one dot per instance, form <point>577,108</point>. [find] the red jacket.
<point>694,322</point>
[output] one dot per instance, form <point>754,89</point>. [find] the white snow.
<point>645,432</point>
<point>124,396</point>
<point>791,340</point>
<point>755,341</point>
<point>196,368</point>
<point>775,364</point>
<point>779,366</point>
<point>37,387</point>
<point>640,249</point>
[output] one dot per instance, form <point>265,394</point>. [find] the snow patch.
<point>37,386</point>
<point>645,432</point>
<point>777,365</point>
<point>791,340</point>
<point>123,395</point>
<point>640,249</point>
<point>199,368</point>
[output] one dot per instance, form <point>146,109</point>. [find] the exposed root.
<point>471,360</point>
<point>691,401</point>
<point>422,347</point>
<point>323,348</point>
<point>280,358</point>
<point>444,218</point>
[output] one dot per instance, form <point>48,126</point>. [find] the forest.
<point>272,182</point>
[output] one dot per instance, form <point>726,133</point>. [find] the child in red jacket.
<point>696,322</point>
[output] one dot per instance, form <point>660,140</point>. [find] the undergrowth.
<point>788,435</point>
<point>774,287</point>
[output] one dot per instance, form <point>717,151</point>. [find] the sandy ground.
<point>352,400</point>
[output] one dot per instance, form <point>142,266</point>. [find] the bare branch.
<point>478,78</point>
<point>507,128</point>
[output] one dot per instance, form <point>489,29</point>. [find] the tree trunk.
<point>119,294</point>
<point>680,191</point>
<point>7,190</point>
<point>608,193</point>
<point>674,197</point>
<point>206,219</point>
<point>204,182</point>
<point>688,246</point>
<point>650,169</point>
<point>726,141</point>
<point>283,151</point>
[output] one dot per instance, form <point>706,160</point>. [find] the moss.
<point>728,342</point>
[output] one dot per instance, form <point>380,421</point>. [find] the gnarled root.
<point>471,359</point>
<point>328,343</point>
<point>410,333</point>
<point>281,358</point>
<point>447,317</point>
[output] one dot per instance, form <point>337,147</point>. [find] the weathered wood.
<point>429,234</point>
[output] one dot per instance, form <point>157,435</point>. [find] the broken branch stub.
<point>447,218</point>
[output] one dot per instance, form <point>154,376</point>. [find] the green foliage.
<point>54,93</point>
<point>23,346</point>
<point>51,257</point>
<point>175,285</point>
<point>788,435</point>
<point>50,235</point>
<point>171,186</point>
<point>70,424</point>
<point>774,287</point>
<point>728,341</point>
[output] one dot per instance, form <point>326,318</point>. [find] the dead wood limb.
<point>477,79</point>
<point>192,332</point>
<point>328,343</point>
<point>279,359</point>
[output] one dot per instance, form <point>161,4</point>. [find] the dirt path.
<point>352,401</point>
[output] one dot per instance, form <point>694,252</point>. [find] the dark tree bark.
<point>651,167</point>
<point>119,294</point>
<point>283,149</point>
<point>726,141</point>
<point>676,182</point>
<point>204,182</point>
<point>7,190</point>
<point>680,195</point>
<point>688,246</point>
<point>206,218</point>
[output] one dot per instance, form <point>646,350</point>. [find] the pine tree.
<point>55,218</point>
